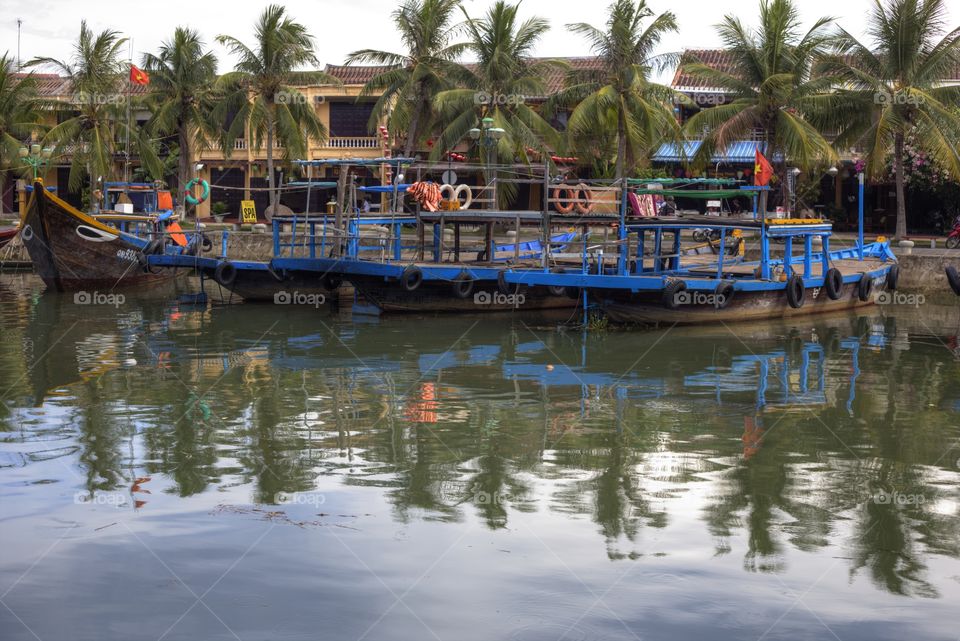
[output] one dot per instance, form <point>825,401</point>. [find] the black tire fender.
<point>833,283</point>
<point>225,273</point>
<point>796,292</point>
<point>865,288</point>
<point>671,291</point>
<point>411,278</point>
<point>463,285</point>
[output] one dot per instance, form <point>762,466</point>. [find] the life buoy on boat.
<point>954,279</point>
<point>893,277</point>
<point>461,189</point>
<point>672,292</point>
<point>448,192</point>
<point>463,285</point>
<point>584,205</point>
<point>833,282</point>
<point>189,198</point>
<point>796,293</point>
<point>865,288</point>
<point>411,278</point>
<point>564,194</point>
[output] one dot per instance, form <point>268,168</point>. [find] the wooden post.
<point>338,219</point>
<point>545,220</point>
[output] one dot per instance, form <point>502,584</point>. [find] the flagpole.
<point>126,153</point>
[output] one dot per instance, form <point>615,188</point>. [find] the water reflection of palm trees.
<point>794,432</point>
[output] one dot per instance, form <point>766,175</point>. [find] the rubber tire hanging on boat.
<point>155,246</point>
<point>225,273</point>
<point>205,244</point>
<point>463,285</point>
<point>723,294</point>
<point>557,290</point>
<point>893,277</point>
<point>954,279</point>
<point>865,288</point>
<point>670,293</point>
<point>411,278</point>
<point>505,288</point>
<point>796,293</point>
<point>833,283</point>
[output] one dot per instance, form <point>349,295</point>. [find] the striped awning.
<point>742,152</point>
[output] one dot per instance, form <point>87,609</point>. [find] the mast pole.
<point>126,152</point>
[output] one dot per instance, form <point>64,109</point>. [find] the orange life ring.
<point>585,205</point>
<point>564,193</point>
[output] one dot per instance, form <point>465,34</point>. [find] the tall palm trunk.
<point>621,142</point>
<point>270,186</point>
<point>410,147</point>
<point>183,176</point>
<point>901,197</point>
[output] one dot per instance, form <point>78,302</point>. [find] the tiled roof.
<point>355,74</point>
<point>53,86</point>
<point>720,59</point>
<point>717,58</point>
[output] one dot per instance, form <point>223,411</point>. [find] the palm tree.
<point>497,86</point>
<point>411,81</point>
<point>260,93</point>
<point>772,88</point>
<point>892,89</point>
<point>19,114</point>
<point>97,75</point>
<point>641,111</point>
<point>181,99</point>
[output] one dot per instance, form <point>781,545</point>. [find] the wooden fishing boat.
<point>7,234</point>
<point>73,251</point>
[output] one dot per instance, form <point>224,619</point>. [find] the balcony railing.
<point>352,142</point>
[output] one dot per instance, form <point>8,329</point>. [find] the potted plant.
<point>219,210</point>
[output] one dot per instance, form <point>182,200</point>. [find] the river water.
<point>288,472</point>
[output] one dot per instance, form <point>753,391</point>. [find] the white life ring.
<point>469,200</point>
<point>448,192</point>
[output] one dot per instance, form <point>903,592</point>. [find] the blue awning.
<point>742,152</point>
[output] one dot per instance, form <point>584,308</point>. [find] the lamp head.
<point>497,133</point>
<point>47,153</point>
<point>35,149</point>
<point>487,122</point>
<point>474,134</point>
<point>833,171</point>
<point>23,152</point>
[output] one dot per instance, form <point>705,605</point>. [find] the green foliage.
<point>411,80</point>
<point>93,137</point>
<point>620,108</point>
<point>19,117</point>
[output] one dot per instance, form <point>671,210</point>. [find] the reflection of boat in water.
<point>73,251</point>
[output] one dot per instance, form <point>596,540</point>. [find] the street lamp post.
<point>35,157</point>
<point>488,137</point>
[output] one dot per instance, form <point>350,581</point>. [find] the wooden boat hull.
<point>260,285</point>
<point>648,308</point>
<point>438,296</point>
<point>72,251</point>
<point>6,235</point>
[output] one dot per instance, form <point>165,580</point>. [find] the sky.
<point>341,26</point>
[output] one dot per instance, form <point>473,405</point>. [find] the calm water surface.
<point>266,472</point>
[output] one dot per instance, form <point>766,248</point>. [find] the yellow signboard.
<point>248,211</point>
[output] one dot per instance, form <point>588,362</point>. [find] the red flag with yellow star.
<point>138,76</point>
<point>762,170</point>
